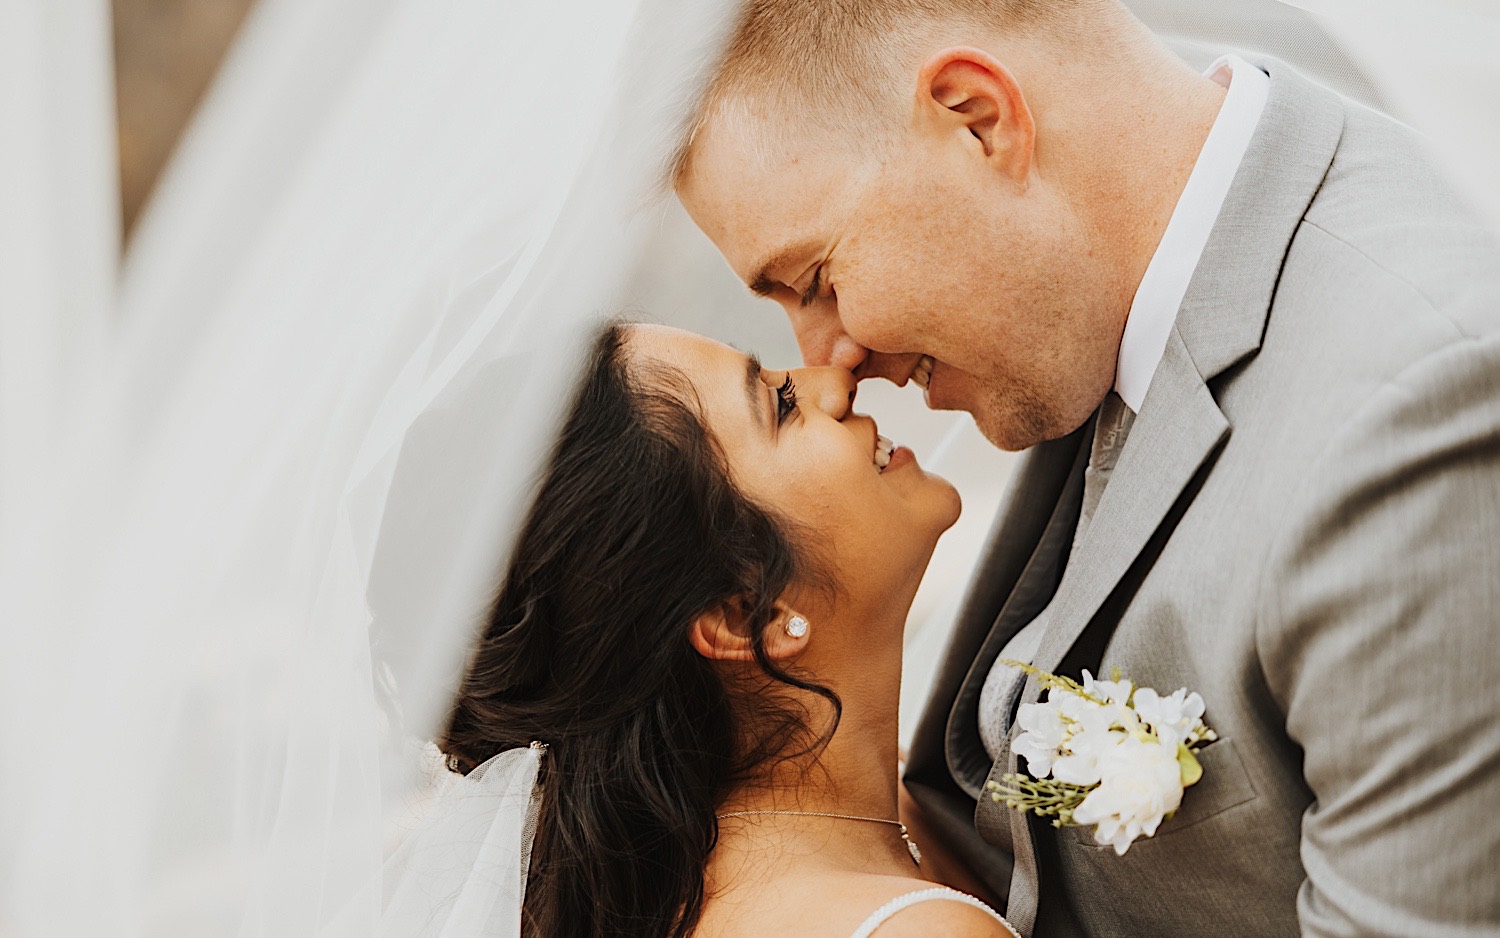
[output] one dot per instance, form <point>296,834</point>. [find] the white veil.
<point>463,872</point>
<point>253,498</point>
<point>339,346</point>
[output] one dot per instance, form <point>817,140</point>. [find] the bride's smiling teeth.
<point>883,450</point>
<point>922,374</point>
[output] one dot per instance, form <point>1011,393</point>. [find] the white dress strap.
<point>942,893</point>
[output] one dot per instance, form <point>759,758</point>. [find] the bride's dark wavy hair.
<point>636,530</point>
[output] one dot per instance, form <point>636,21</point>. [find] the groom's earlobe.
<point>967,90</point>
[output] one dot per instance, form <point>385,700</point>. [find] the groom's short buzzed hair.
<point>834,61</point>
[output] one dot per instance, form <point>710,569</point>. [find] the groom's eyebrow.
<point>763,283</point>
<point>754,388</point>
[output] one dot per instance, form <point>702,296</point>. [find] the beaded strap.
<point>938,893</point>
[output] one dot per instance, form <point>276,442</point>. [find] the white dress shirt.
<point>1171,269</point>
<point>1152,314</point>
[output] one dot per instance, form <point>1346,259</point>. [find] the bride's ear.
<point>723,634</point>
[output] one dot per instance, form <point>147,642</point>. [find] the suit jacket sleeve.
<point>1379,632</point>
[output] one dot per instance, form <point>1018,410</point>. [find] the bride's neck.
<point>855,773</point>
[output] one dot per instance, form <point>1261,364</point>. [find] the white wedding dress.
<point>253,481</point>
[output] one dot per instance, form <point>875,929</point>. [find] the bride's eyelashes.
<point>786,400</point>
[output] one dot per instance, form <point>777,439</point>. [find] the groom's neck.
<point>1119,129</point>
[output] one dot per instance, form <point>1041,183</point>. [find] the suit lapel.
<point>1221,322</point>
<point>941,752</point>
<point>1028,596</point>
<point>1165,449</point>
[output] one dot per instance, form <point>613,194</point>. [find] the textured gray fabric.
<point>1002,688</point>
<point>1303,526</point>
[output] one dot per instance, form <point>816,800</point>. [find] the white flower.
<point>1086,753</point>
<point>1116,692</point>
<point>1092,729</point>
<point>1172,718</point>
<point>1043,736</point>
<point>1119,756</point>
<point>1140,784</point>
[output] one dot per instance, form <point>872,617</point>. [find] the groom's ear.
<point>966,91</point>
<point>723,634</point>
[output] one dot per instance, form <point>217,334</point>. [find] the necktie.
<point>1115,420</point>
<point>1002,688</point>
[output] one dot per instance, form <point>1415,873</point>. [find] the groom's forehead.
<point>762,208</point>
<point>746,156</point>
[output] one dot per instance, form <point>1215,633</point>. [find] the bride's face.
<point>795,446</point>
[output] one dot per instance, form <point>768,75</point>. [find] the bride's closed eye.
<point>786,400</point>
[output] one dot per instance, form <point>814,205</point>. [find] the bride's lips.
<point>901,457</point>
<point>888,456</point>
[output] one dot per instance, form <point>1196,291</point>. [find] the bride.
<point>701,623</point>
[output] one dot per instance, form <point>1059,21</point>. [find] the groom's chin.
<point>1014,430</point>
<point>1018,419</point>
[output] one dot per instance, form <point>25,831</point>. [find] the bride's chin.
<point>947,506</point>
<point>943,501</point>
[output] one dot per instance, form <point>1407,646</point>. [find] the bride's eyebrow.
<point>753,388</point>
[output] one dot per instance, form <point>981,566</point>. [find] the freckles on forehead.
<point>729,195</point>
<point>752,199</point>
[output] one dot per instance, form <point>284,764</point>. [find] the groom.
<point>1251,343</point>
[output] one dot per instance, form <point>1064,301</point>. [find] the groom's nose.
<point>823,342</point>
<point>822,339</point>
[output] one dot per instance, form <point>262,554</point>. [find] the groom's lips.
<point>923,376</point>
<point>921,372</point>
<point>948,388</point>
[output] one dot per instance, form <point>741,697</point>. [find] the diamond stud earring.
<point>796,627</point>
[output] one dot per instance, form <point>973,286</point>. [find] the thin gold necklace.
<point>911,845</point>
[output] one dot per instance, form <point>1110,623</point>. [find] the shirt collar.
<point>1166,280</point>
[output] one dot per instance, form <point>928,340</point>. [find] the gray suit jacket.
<point>1304,526</point>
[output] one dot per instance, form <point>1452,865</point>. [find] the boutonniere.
<point>1105,753</point>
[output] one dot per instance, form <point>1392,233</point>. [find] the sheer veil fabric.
<point>462,871</point>
<point>255,493</point>
<point>339,348</point>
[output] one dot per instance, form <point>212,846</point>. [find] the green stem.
<point>1042,797</point>
<point>1049,680</point>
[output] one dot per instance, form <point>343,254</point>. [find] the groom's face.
<point>921,259</point>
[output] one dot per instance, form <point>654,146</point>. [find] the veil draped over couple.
<point>363,579</point>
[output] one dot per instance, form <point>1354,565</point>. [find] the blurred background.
<point>166,55</point>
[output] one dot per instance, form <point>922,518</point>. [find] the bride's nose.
<point>830,390</point>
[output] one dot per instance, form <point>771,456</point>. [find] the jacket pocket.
<point>1225,784</point>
